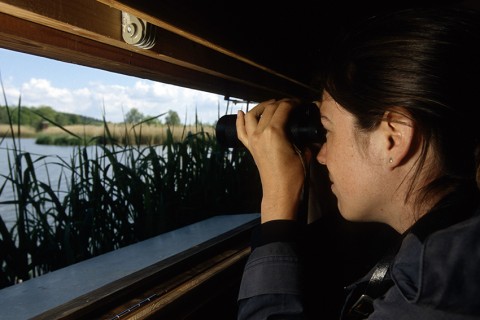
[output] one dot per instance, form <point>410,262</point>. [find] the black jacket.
<point>435,274</point>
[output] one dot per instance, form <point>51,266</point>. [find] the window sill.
<point>91,283</point>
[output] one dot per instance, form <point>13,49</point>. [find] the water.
<point>47,170</point>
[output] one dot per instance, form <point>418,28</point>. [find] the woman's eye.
<point>324,135</point>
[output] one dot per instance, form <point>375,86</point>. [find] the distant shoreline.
<point>125,134</point>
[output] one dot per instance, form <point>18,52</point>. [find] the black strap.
<point>453,208</point>
<point>377,285</point>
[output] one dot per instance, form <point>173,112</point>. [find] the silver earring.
<point>390,160</point>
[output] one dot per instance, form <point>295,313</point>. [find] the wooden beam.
<point>151,10</point>
<point>85,18</point>
<point>27,37</point>
<point>96,31</point>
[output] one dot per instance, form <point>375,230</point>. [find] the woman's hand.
<point>281,168</point>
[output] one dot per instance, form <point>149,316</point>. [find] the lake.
<point>47,169</point>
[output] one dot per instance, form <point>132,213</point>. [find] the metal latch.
<point>138,32</point>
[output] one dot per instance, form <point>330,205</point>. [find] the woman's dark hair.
<point>427,61</point>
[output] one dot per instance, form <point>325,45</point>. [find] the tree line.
<point>36,117</point>
<point>169,118</point>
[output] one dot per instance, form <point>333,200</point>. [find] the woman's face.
<point>353,164</point>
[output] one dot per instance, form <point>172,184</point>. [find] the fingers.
<point>270,113</point>
<point>254,116</point>
<point>281,168</point>
<point>246,124</point>
<point>282,111</point>
<point>241,131</point>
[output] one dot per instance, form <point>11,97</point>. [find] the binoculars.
<point>303,127</point>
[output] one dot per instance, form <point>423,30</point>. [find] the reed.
<point>145,134</point>
<point>20,131</point>
<point>124,192</point>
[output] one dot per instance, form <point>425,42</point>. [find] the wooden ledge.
<point>169,268</point>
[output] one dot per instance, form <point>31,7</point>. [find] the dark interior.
<point>292,38</point>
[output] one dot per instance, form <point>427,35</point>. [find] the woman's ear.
<point>399,136</point>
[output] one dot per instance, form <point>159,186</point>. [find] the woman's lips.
<point>331,184</point>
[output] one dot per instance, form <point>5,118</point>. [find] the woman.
<point>401,110</point>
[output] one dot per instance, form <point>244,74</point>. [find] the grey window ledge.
<point>35,296</point>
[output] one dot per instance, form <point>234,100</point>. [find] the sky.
<point>96,93</point>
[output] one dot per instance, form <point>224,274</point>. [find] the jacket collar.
<point>457,206</point>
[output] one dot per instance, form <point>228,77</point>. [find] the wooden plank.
<point>149,13</point>
<point>89,19</point>
<point>151,10</point>
<point>199,277</point>
<point>23,36</point>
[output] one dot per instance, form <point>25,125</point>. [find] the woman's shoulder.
<point>441,270</point>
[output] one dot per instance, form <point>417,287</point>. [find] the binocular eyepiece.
<point>303,127</point>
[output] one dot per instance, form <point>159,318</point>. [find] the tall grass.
<point>118,195</point>
<point>21,131</point>
<point>143,133</point>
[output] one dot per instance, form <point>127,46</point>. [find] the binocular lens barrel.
<point>304,127</point>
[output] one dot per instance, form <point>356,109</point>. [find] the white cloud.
<point>97,99</point>
<point>141,86</point>
<point>11,92</point>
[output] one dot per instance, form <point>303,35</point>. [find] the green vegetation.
<point>122,194</point>
<point>34,117</point>
<point>43,116</point>
<point>56,128</point>
<point>140,133</point>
